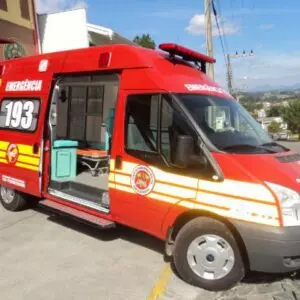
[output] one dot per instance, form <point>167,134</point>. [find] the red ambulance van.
<point>123,134</point>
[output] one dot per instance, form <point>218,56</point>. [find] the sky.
<point>268,27</point>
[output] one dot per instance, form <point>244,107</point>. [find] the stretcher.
<point>96,160</point>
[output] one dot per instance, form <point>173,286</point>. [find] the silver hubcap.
<point>210,257</point>
<point>7,194</point>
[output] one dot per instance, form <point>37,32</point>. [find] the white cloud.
<point>48,6</point>
<point>197,26</point>
<point>171,13</point>
<point>266,26</point>
<point>270,69</point>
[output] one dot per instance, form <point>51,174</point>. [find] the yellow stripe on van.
<point>27,150</point>
<point>4,161</point>
<point>28,160</point>
<point>2,154</point>
<point>238,188</point>
<point>29,167</point>
<point>3,145</point>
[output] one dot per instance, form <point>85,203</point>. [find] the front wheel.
<point>207,255</point>
<point>11,199</point>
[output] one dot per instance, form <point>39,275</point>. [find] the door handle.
<point>35,148</point>
<point>118,163</point>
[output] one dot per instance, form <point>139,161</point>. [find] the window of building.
<point>3,5</point>
<point>24,5</point>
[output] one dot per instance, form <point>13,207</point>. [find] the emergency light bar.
<point>187,54</point>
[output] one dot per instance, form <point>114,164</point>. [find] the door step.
<point>77,214</point>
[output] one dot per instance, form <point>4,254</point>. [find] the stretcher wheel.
<point>206,255</point>
<point>12,200</point>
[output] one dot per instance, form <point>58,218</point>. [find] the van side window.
<point>141,123</point>
<point>19,114</point>
<point>172,122</point>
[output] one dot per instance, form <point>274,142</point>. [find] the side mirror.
<point>183,150</point>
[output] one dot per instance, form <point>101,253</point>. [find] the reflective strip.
<point>4,161</point>
<point>239,189</point>
<point>111,185</point>
<point>29,160</point>
<point>165,188</point>
<point>124,188</point>
<point>123,179</point>
<point>230,214</point>
<point>162,198</point>
<point>29,167</point>
<point>227,201</point>
<point>4,145</point>
<point>111,177</point>
<point>25,149</point>
<point>2,154</point>
<point>112,164</point>
<point>239,206</point>
<point>127,167</point>
<point>175,179</point>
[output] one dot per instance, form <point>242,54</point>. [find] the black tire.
<point>18,202</point>
<point>197,228</point>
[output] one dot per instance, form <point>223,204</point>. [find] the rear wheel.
<point>11,199</point>
<point>207,255</point>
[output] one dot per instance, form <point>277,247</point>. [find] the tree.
<point>292,116</point>
<point>277,111</point>
<point>145,41</point>
<point>274,127</point>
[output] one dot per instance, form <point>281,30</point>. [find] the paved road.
<point>43,256</point>
<point>292,145</point>
<point>256,286</point>
<point>50,257</point>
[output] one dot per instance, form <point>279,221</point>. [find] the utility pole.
<point>229,74</point>
<point>229,67</point>
<point>209,44</point>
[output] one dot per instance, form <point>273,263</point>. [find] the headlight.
<point>289,204</point>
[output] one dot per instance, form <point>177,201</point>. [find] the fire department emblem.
<point>142,180</point>
<point>12,154</point>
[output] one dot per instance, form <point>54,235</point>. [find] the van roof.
<point>162,73</point>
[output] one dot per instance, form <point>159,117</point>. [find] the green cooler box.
<point>64,160</point>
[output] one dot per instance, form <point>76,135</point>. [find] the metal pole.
<point>229,74</point>
<point>209,44</point>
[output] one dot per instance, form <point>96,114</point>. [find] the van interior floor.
<point>84,189</point>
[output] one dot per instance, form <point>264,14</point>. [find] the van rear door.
<point>21,143</point>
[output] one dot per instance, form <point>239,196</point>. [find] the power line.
<point>220,32</point>
<point>222,25</point>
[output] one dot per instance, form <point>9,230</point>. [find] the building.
<point>24,32</point>
<point>267,121</point>
<point>18,28</point>
<point>68,30</point>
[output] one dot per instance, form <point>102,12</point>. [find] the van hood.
<point>280,168</point>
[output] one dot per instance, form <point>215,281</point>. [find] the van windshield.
<point>228,125</point>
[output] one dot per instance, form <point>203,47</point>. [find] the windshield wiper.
<point>275,145</point>
<point>249,146</point>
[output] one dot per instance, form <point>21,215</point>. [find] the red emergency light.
<point>187,54</point>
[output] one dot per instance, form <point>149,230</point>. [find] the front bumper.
<point>271,249</point>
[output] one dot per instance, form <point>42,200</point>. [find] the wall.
<point>63,31</point>
<point>17,22</point>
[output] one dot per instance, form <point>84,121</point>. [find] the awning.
<point>99,35</point>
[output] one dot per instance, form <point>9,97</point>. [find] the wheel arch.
<point>189,215</point>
